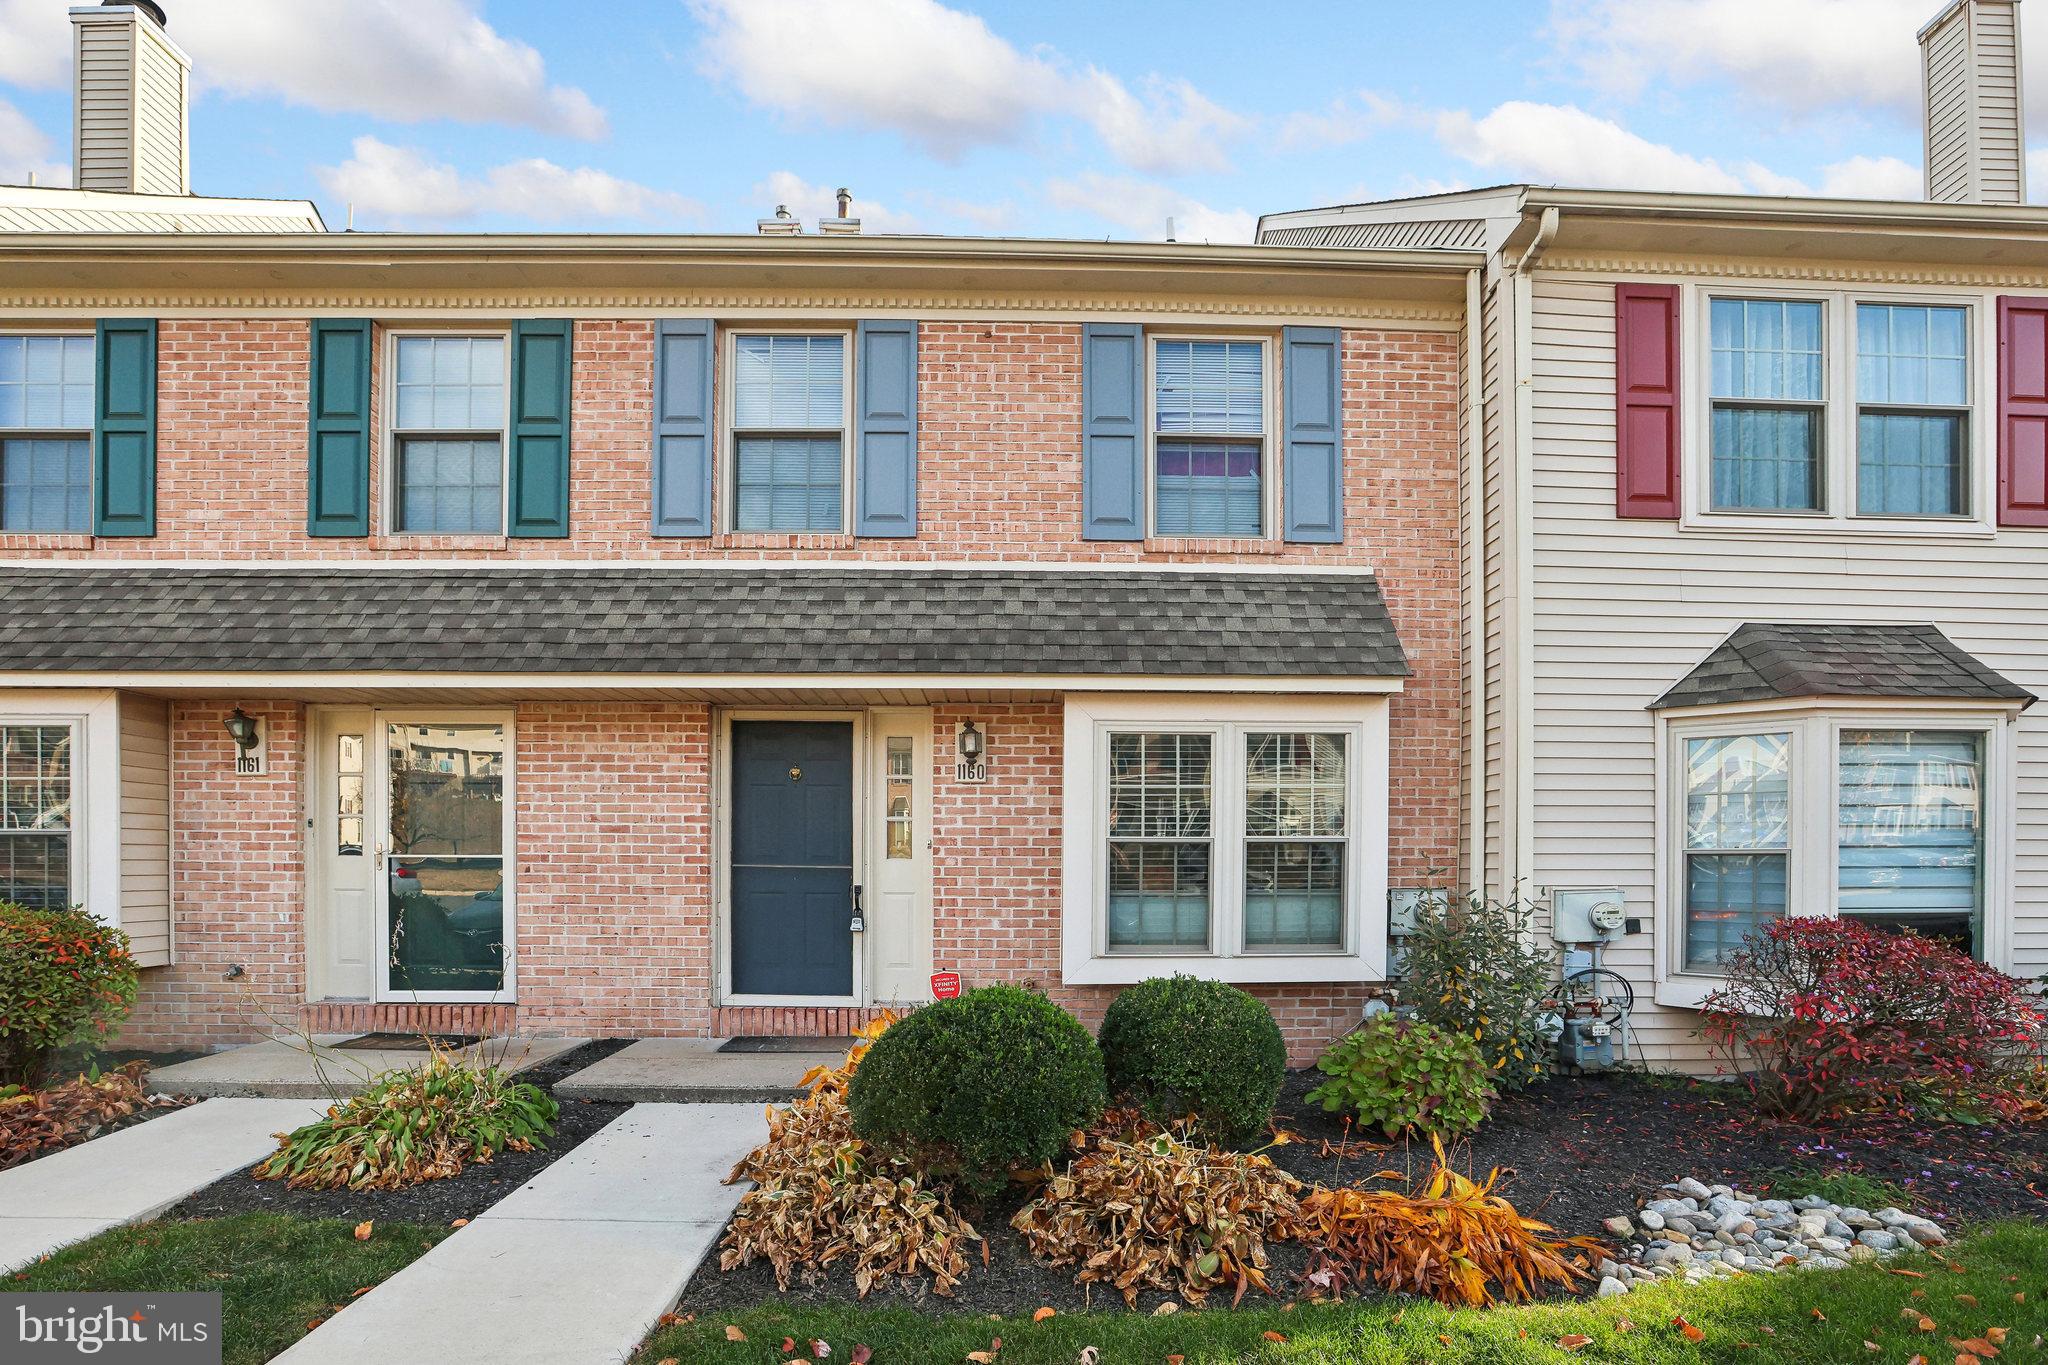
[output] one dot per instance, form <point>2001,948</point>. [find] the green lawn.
<point>1811,1318</point>
<point>275,1273</point>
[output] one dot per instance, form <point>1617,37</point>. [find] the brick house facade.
<point>618,872</point>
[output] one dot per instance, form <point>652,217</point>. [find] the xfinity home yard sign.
<point>945,985</point>
<point>163,1329</point>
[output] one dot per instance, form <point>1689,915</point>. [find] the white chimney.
<point>133,94</point>
<point>1970,85</point>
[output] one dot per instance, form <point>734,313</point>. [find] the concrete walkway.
<point>694,1071</point>
<point>286,1068</point>
<point>572,1268</point>
<point>135,1173</point>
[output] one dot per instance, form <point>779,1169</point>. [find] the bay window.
<point>1879,815</point>
<point>1240,838</point>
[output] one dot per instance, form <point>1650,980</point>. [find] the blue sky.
<point>1019,117</point>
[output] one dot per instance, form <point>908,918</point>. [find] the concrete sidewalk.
<point>572,1268</point>
<point>285,1067</point>
<point>135,1173</point>
<point>694,1071</point>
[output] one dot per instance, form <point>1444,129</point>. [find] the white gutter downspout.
<point>1519,798</point>
<point>1475,578</point>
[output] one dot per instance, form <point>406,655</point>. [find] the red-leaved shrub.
<point>1829,1016</point>
<point>65,979</point>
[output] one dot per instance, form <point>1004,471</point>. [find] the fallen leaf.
<point>1176,1360</point>
<point>1041,1314</point>
<point>789,1346</point>
<point>314,1323</point>
<point>1909,1274</point>
<point>1965,1358</point>
<point>668,1360</point>
<point>1687,1330</point>
<point>1925,1324</point>
<point>1996,1335</point>
<point>1976,1346</point>
<point>464,1222</point>
<point>1090,1355</point>
<point>1819,1316</point>
<point>363,1231</point>
<point>1624,1325</point>
<point>358,1293</point>
<point>1167,1309</point>
<point>733,1333</point>
<point>820,1349</point>
<point>1570,1341</point>
<point>861,1355</point>
<point>2020,1297</point>
<point>1967,1300</point>
<point>1273,1336</point>
<point>1445,1340</point>
<point>674,1320</point>
<point>1869,1345</point>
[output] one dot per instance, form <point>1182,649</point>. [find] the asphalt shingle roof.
<point>693,620</point>
<point>1762,662</point>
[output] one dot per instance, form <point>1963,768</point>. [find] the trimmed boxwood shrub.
<point>65,979</point>
<point>968,1088</point>
<point>1182,1047</point>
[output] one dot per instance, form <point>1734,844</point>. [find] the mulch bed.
<point>436,1201</point>
<point>1574,1151</point>
<point>13,1149</point>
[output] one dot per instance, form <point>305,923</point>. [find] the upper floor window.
<point>448,433</point>
<point>1209,437</point>
<point>789,427</point>
<point>1912,410</point>
<point>1840,407</point>
<point>46,421</point>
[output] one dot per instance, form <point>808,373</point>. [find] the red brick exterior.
<point>614,865</point>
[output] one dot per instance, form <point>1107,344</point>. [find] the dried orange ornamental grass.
<point>821,1196</point>
<point>1457,1242</point>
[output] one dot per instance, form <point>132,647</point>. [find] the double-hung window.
<point>1912,410</point>
<point>1768,415</point>
<point>1880,819</point>
<point>36,815</point>
<point>46,420</point>
<point>448,434</point>
<point>789,431</point>
<point>1209,437</point>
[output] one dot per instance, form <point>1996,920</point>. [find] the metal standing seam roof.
<point>702,621</point>
<point>1765,662</point>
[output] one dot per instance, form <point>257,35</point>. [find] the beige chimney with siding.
<point>133,96</point>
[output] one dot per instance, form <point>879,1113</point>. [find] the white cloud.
<point>1872,177</point>
<point>25,150</point>
<point>403,186</point>
<point>1142,207</point>
<point>1345,120</point>
<point>1561,144</point>
<point>943,79</point>
<point>402,60</point>
<point>811,202</point>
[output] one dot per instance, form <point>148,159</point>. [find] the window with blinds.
<point>789,432</point>
<point>1769,406</point>
<point>1910,830</point>
<point>1209,438</point>
<point>36,815</point>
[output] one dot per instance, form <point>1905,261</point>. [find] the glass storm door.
<point>443,859</point>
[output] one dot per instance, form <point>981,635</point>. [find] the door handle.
<point>860,922</point>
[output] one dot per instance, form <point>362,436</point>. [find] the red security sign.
<point>945,985</point>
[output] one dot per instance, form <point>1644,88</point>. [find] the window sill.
<point>429,541</point>
<point>1688,992</point>
<point>45,540</point>
<point>1127,969</point>
<point>1825,528</point>
<point>783,540</point>
<point>1211,545</point>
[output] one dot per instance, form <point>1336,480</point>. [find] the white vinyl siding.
<point>1621,609</point>
<point>145,728</point>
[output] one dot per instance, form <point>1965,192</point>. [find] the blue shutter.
<point>682,427</point>
<point>1312,475</point>
<point>885,421</point>
<point>124,428</point>
<point>539,466</point>
<point>338,429</point>
<point>1112,432</point>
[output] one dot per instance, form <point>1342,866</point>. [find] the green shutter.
<point>338,434</point>
<point>124,428</point>
<point>540,427</point>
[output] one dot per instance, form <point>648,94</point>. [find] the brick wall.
<point>999,422</point>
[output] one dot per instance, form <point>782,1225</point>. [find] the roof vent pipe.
<point>1974,120</point>
<point>783,224</point>
<point>845,225</point>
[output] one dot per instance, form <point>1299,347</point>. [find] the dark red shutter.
<point>2022,412</point>
<point>1646,364</point>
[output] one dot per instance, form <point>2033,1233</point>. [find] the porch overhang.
<point>816,633</point>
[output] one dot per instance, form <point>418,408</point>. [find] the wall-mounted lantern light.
<point>970,742</point>
<point>242,729</point>
<point>973,748</point>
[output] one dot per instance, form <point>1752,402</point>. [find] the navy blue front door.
<point>792,857</point>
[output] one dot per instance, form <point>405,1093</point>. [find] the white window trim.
<point>1269,446</point>
<point>389,431</point>
<point>84,433</point>
<point>1838,425</point>
<point>1089,717</point>
<point>95,721</point>
<point>1811,873</point>
<point>728,445</point>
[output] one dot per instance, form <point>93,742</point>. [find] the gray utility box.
<point>1588,914</point>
